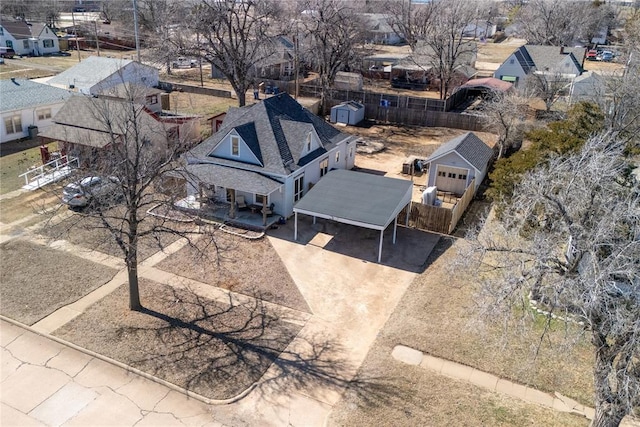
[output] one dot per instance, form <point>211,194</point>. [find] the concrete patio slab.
<point>64,404</point>
<point>12,417</point>
<point>25,389</point>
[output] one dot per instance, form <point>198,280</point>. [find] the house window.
<point>235,146</point>
<point>44,114</point>
<point>13,124</point>
<point>442,173</point>
<point>10,44</point>
<point>324,167</point>
<point>309,142</point>
<point>47,43</point>
<point>461,176</point>
<point>452,175</point>
<point>153,99</point>
<point>512,61</point>
<point>298,188</point>
<point>337,157</point>
<point>25,44</point>
<point>262,200</point>
<point>1,31</point>
<point>350,151</point>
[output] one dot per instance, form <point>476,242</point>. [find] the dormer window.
<point>235,146</point>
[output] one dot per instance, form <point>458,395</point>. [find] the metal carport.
<point>356,198</point>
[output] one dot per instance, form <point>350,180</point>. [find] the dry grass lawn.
<point>87,232</point>
<point>434,317</point>
<point>26,204</point>
<point>210,348</point>
<point>250,267</point>
<point>35,280</point>
<point>13,165</point>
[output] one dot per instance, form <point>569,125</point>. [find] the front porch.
<point>220,211</point>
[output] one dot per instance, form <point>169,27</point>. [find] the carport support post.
<point>295,226</point>
<point>380,248</point>
<point>395,227</point>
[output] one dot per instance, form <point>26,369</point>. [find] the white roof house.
<point>96,74</point>
<point>24,104</point>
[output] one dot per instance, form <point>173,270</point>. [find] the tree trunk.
<point>609,410</point>
<point>242,97</point>
<point>134,291</point>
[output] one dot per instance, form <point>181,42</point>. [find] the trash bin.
<point>276,90</point>
<point>33,131</point>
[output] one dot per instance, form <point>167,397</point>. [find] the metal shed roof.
<point>357,198</point>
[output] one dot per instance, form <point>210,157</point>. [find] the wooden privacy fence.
<point>436,218</point>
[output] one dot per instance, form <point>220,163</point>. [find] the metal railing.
<point>48,171</point>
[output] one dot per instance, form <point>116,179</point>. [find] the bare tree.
<point>550,22</point>
<point>505,114</point>
<point>332,29</point>
<point>165,21</point>
<point>411,20</point>
<point>570,239</point>
<point>138,154</point>
<point>234,37</point>
<point>548,86</point>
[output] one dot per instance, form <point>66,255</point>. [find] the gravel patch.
<point>36,280</point>
<point>250,267</point>
<point>213,349</point>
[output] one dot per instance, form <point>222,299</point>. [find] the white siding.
<point>510,69</point>
<point>453,159</point>
<point>28,117</point>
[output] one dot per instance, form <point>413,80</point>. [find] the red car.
<point>592,55</point>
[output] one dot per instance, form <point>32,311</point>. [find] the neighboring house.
<point>275,60</point>
<point>546,60</point>
<point>589,86</point>
<point>378,66</point>
<point>269,153</point>
<point>97,73</point>
<point>455,163</point>
<point>188,127</point>
<point>378,30</point>
<point>28,39</point>
<point>147,96</point>
<point>81,129</point>
<point>25,104</point>
<point>480,30</point>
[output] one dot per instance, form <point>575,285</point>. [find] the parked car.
<point>592,55</point>
<point>607,56</point>
<point>90,190</point>
<point>183,62</point>
<point>7,52</point>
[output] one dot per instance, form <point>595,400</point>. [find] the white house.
<point>546,60</point>
<point>269,153</point>
<point>96,74</point>
<point>28,39</point>
<point>25,104</point>
<point>458,161</point>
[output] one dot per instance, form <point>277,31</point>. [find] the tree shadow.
<point>221,350</point>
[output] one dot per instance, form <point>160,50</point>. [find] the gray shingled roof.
<point>18,29</point>
<point>18,94</point>
<point>82,120</point>
<point>280,125</point>
<point>230,177</point>
<point>89,72</point>
<point>548,57</point>
<point>356,197</point>
<point>469,147</point>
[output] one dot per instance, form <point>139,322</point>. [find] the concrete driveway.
<point>350,296</point>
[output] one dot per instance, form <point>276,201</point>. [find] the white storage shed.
<point>348,112</point>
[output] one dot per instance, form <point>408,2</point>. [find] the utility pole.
<point>135,24</point>
<point>75,32</point>
<point>296,63</point>
<point>95,29</point>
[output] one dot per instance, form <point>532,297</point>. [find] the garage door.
<point>343,116</point>
<point>453,180</point>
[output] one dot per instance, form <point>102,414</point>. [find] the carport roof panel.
<point>357,197</point>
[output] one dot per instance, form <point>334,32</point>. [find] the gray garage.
<point>357,198</point>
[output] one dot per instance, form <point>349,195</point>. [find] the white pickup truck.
<point>183,62</point>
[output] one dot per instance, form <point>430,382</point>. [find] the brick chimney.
<point>561,50</point>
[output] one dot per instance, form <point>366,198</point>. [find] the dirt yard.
<point>400,142</point>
